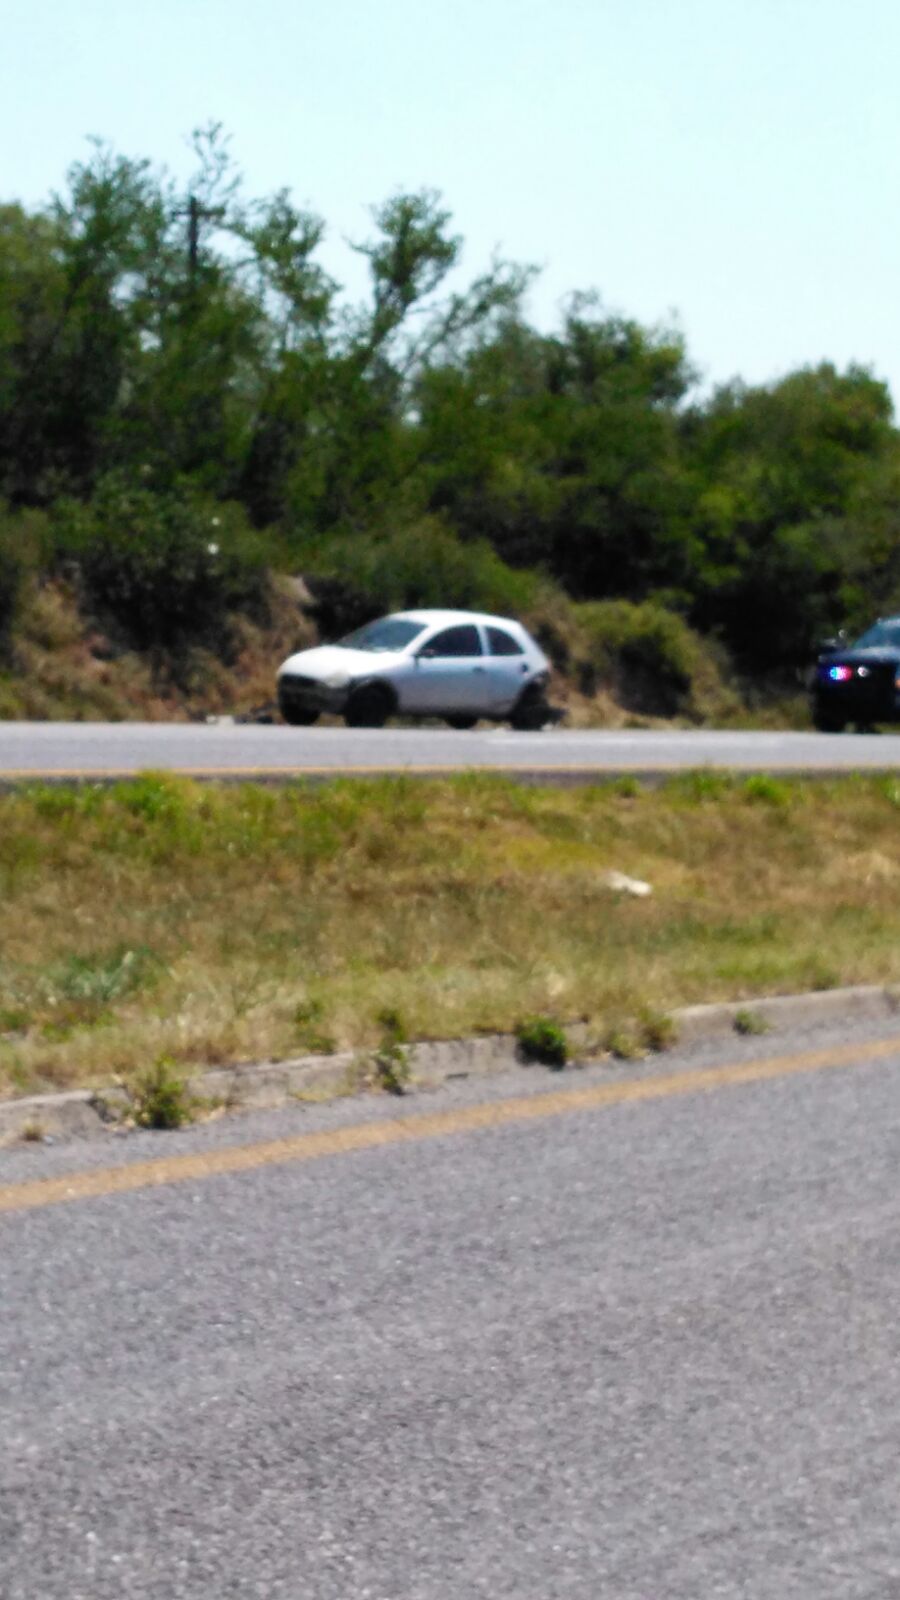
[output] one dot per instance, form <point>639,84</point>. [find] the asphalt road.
<point>103,749</point>
<point>646,1350</point>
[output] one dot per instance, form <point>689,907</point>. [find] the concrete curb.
<point>257,1085</point>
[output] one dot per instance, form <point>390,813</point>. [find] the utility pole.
<point>194,213</point>
<point>193,235</point>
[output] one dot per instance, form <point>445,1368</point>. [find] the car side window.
<point>501,643</point>
<point>463,640</point>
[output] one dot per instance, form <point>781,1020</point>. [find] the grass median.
<point>165,919</point>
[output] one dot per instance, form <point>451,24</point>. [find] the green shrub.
<point>541,1039</point>
<point>650,659</point>
<point>161,1099</point>
<point>626,1044</point>
<point>311,1034</point>
<point>749,1023</point>
<point>421,564</point>
<point>659,1031</point>
<point>167,567</point>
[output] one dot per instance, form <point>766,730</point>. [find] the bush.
<point>167,566</point>
<point>422,564</point>
<point>749,1023</point>
<point>161,1099</point>
<point>650,659</point>
<point>659,1031</point>
<point>542,1039</point>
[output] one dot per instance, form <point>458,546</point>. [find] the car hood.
<point>328,660</point>
<point>870,656</point>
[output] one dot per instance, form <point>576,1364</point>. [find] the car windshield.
<point>880,633</point>
<point>389,633</point>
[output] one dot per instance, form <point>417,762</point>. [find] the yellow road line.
<point>40,1192</point>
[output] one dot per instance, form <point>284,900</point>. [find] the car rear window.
<point>501,643</point>
<point>463,640</point>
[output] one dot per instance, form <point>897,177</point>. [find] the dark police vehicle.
<point>859,682</point>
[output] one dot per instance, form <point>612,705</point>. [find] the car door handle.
<point>478,669</point>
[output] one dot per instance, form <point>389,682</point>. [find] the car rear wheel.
<point>368,707</point>
<point>461,723</point>
<point>298,718</point>
<point>531,713</point>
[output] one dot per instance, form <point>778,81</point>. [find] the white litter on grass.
<point>625,885</point>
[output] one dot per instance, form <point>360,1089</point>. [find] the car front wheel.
<point>368,707</point>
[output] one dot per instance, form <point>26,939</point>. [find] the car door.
<point>449,674</point>
<point>507,667</point>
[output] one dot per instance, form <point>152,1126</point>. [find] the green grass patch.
<point>162,919</point>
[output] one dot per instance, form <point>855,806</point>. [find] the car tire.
<point>462,724</point>
<point>299,718</point>
<point>369,706</point>
<point>828,721</point>
<point>531,711</point>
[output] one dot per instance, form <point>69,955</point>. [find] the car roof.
<point>448,618</point>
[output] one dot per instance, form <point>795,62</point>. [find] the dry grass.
<point>65,667</point>
<point>204,924</point>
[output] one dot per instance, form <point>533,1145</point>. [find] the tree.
<point>794,488</point>
<point>563,450</point>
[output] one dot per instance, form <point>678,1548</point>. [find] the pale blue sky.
<point>729,163</point>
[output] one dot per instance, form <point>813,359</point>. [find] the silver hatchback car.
<point>458,665</point>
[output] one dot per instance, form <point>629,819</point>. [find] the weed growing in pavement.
<point>390,1062</point>
<point>749,1022</point>
<point>33,1133</point>
<point>161,1098</point>
<point>658,1031</point>
<point>542,1039</point>
<point>626,1044</point>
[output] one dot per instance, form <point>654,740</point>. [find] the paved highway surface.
<point>98,749</point>
<point>646,1350</point>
